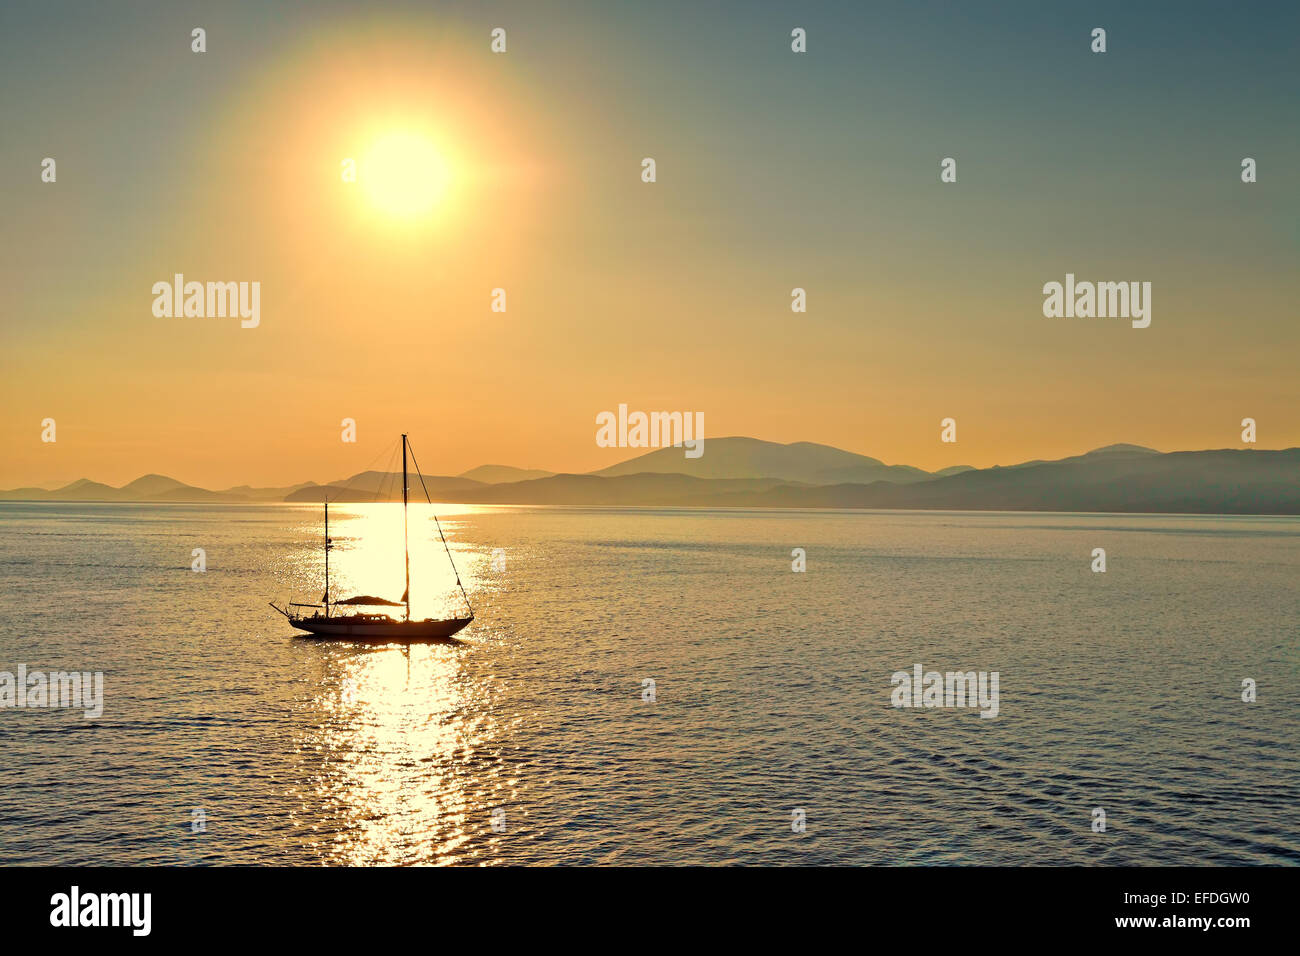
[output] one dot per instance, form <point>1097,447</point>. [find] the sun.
<point>405,174</point>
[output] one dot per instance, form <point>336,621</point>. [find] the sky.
<point>775,170</point>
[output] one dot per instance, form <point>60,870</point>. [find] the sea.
<point>652,686</point>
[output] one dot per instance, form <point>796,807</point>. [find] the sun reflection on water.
<point>399,757</point>
<point>367,557</point>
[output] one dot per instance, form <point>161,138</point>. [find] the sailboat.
<point>323,620</point>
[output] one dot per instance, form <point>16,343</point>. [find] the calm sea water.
<point>1119,691</point>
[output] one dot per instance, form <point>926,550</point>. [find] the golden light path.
<point>396,768</point>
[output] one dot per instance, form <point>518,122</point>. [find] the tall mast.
<point>406,544</point>
<point>326,599</point>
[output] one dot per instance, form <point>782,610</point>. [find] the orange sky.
<point>924,299</point>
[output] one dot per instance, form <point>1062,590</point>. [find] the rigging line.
<point>440,534</point>
<point>348,484</point>
<point>389,478</point>
<point>390,493</point>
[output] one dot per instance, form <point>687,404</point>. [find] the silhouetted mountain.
<point>1205,482</point>
<point>265,494</point>
<point>26,494</point>
<point>83,489</point>
<point>386,486</point>
<point>1111,452</point>
<point>145,488</point>
<point>1117,478</point>
<point>753,458</point>
<point>154,487</point>
<point>496,474</point>
<point>1122,449</point>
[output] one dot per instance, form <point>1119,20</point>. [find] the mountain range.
<point>750,473</point>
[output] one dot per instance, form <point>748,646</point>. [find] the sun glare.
<point>404,175</point>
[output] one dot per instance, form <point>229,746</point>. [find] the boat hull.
<point>380,632</point>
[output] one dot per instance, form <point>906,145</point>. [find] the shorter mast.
<point>326,598</point>
<point>406,544</point>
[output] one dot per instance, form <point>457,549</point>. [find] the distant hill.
<point>385,486</point>
<point>144,488</point>
<point>1203,482</point>
<point>750,458</point>
<point>83,489</point>
<point>1122,449</point>
<point>1111,452</point>
<point>496,474</point>
<point>26,494</point>
<point>265,494</point>
<point>154,487</point>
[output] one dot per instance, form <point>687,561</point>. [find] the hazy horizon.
<point>631,455</point>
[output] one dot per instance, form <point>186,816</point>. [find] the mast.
<point>406,543</point>
<point>326,599</point>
